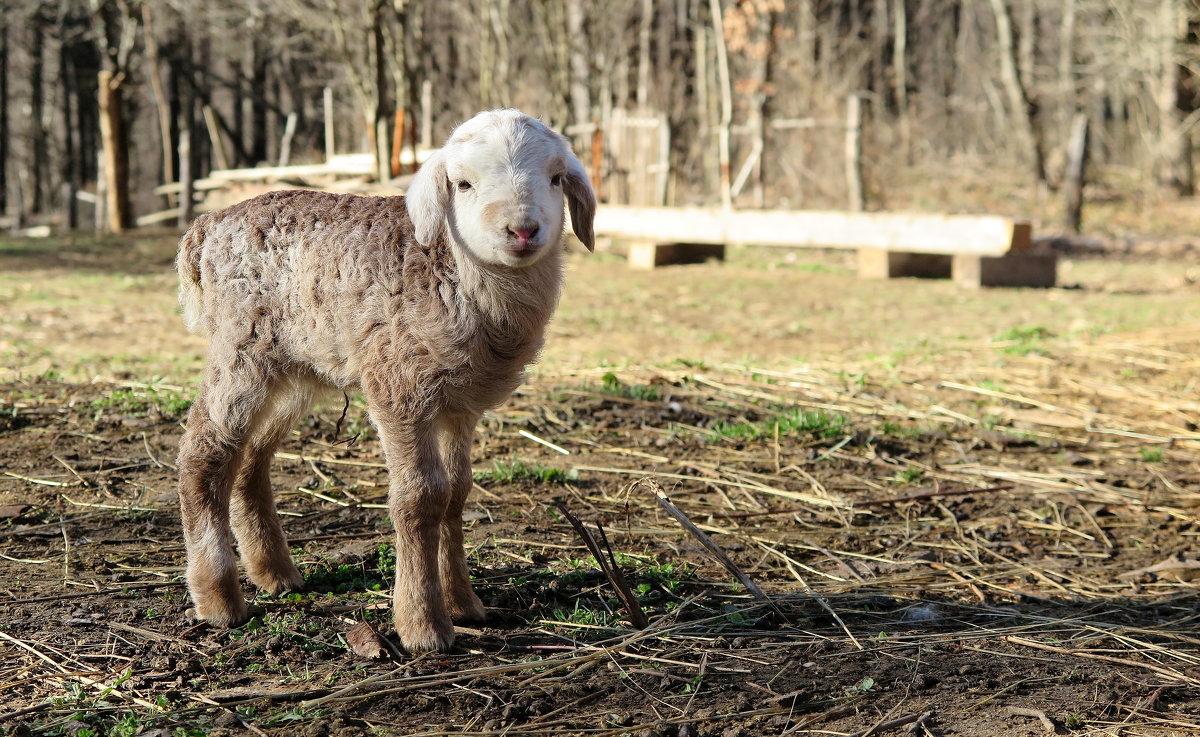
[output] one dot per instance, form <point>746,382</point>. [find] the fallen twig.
<point>1038,714</point>
<point>707,542</point>
<point>1165,672</point>
<point>608,565</point>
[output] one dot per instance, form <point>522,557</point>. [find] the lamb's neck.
<point>513,298</point>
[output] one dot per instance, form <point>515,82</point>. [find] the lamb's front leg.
<point>417,498</point>
<point>462,603</point>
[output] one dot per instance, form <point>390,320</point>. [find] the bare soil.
<point>991,533</point>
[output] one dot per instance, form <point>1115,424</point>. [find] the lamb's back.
<point>295,275</point>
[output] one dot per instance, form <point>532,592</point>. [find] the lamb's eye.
<point>556,180</point>
<point>464,185</point>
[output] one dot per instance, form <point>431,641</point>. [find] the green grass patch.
<point>817,424</point>
<point>512,471</point>
<point>889,429</point>
<point>610,384</point>
<point>584,615</point>
<point>1023,341</point>
<point>908,475</point>
<point>139,403</point>
<point>342,578</point>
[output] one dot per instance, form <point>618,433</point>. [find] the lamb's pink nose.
<point>524,233</point>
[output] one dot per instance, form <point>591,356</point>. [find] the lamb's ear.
<point>428,197</point>
<point>581,202</point>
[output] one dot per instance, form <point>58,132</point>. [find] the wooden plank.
<point>648,255</point>
<point>982,235</point>
<point>876,263</point>
<point>162,216</point>
<point>1010,270</point>
<point>198,185</point>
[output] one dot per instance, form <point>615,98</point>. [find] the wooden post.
<point>328,100</point>
<point>854,183</point>
<point>16,202</point>
<point>718,23</point>
<point>289,132</point>
<point>1077,156</point>
<point>397,143</point>
<point>597,158</point>
<point>412,143</point>
<point>426,114</point>
<point>664,159</point>
<point>112,146</point>
<point>214,135</point>
<point>101,205</point>
<point>70,208</point>
<point>185,161</point>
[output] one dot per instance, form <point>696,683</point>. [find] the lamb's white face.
<point>499,186</point>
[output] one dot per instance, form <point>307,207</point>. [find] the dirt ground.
<point>971,514</point>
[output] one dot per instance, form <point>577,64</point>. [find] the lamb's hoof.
<point>223,615</point>
<point>276,582</point>
<point>423,637</point>
<point>465,609</point>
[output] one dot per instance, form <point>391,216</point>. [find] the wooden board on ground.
<point>983,235</point>
<point>974,250</point>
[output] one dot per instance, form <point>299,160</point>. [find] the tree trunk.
<point>643,78</point>
<point>37,129</point>
<point>116,153</point>
<point>382,113</point>
<point>1066,61</point>
<point>186,90</point>
<point>1021,108</point>
<point>718,22</point>
<point>1076,172</point>
<point>900,74</point>
<point>160,98</point>
<point>853,150</point>
<point>581,101</point>
<point>1175,158</point>
<point>4,129</point>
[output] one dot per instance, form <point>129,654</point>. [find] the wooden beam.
<point>220,158</point>
<point>328,108</point>
<point>1010,270</point>
<point>645,255</point>
<point>876,263</point>
<point>981,235</point>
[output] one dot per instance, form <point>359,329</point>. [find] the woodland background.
<point>977,96</point>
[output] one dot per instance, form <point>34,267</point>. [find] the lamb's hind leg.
<point>461,602</point>
<point>209,455</point>
<point>256,526</point>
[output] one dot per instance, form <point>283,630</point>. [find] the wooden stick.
<point>707,542</point>
<point>608,565</point>
<point>1165,672</point>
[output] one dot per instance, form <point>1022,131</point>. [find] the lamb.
<point>432,304</point>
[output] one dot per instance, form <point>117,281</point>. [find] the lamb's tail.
<point>187,264</point>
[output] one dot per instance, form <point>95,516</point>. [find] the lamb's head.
<point>497,188</point>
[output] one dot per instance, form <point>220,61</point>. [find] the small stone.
<point>74,727</point>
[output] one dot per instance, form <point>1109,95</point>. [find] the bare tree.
<point>116,28</point>
<point>1175,169</point>
<point>1021,108</point>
